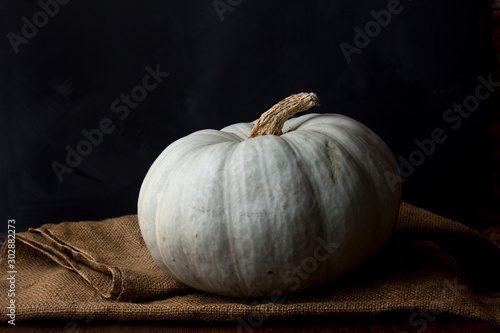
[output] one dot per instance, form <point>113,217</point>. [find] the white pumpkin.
<point>270,214</point>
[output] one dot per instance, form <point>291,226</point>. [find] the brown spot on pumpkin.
<point>333,160</point>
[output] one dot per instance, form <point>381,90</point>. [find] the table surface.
<point>382,324</point>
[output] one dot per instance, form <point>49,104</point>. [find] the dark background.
<point>227,69</point>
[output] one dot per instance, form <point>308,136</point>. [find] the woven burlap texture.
<point>103,270</point>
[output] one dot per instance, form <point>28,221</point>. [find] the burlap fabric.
<point>102,270</point>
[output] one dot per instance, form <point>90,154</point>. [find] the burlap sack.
<point>102,270</point>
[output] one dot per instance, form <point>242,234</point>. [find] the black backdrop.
<point>117,81</point>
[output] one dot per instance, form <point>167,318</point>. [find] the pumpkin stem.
<point>272,121</point>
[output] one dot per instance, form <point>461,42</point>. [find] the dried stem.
<point>272,121</point>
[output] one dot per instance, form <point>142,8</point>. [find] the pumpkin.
<point>271,207</point>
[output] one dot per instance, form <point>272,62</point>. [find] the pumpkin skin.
<point>272,214</point>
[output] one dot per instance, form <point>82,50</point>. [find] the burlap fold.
<point>102,270</point>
